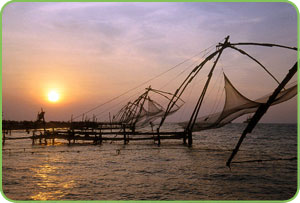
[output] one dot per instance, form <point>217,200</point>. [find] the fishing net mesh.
<point>136,113</point>
<point>237,105</point>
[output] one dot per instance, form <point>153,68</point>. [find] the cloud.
<point>107,44</point>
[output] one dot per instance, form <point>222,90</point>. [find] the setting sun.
<point>53,96</point>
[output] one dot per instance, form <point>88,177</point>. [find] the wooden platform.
<point>98,136</point>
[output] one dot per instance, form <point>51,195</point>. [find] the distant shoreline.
<point>24,125</point>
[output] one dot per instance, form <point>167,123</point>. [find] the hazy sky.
<point>92,52</point>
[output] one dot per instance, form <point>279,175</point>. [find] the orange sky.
<point>92,52</point>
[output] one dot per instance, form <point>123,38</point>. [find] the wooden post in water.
<point>124,130</point>
<point>100,134</point>
<point>110,122</point>
<point>46,134</point>
<point>184,138</point>
<point>4,127</point>
<point>190,137</point>
<point>73,136</point>
<point>3,138</point>
<point>95,139</point>
<point>158,137</point>
<point>53,136</point>
<point>69,137</point>
<point>33,137</point>
<point>132,129</point>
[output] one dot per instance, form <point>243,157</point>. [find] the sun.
<point>53,96</point>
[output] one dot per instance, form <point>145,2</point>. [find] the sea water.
<point>141,170</point>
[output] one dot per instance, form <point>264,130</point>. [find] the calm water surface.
<point>144,171</point>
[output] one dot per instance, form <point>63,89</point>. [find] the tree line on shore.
<point>19,125</point>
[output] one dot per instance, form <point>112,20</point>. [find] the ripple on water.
<point>143,171</point>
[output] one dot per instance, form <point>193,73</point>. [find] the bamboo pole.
<point>190,126</point>
<point>176,96</point>
<point>262,109</point>
<point>265,44</point>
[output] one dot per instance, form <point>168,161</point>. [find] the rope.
<point>214,107</point>
<point>191,90</point>
<point>218,98</point>
<point>153,78</point>
<point>191,65</point>
<point>115,106</point>
<point>212,88</point>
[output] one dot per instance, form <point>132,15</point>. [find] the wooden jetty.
<point>104,132</point>
<point>91,131</point>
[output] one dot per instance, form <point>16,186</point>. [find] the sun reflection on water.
<point>47,195</point>
<point>51,186</point>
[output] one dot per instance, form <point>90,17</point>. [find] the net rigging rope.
<point>217,97</point>
<point>198,80</point>
<point>122,101</point>
<point>184,107</point>
<point>153,78</point>
<point>191,65</point>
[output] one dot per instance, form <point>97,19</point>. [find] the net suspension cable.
<point>195,71</point>
<point>143,83</point>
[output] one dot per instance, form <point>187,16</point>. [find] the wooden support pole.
<point>262,109</point>
<point>69,137</point>
<point>124,130</point>
<point>95,139</point>
<point>184,138</point>
<point>190,138</point>
<point>127,138</point>
<point>33,138</point>
<point>158,137</point>
<point>195,113</point>
<point>3,138</point>
<point>73,136</point>
<point>100,135</point>
<point>53,136</point>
